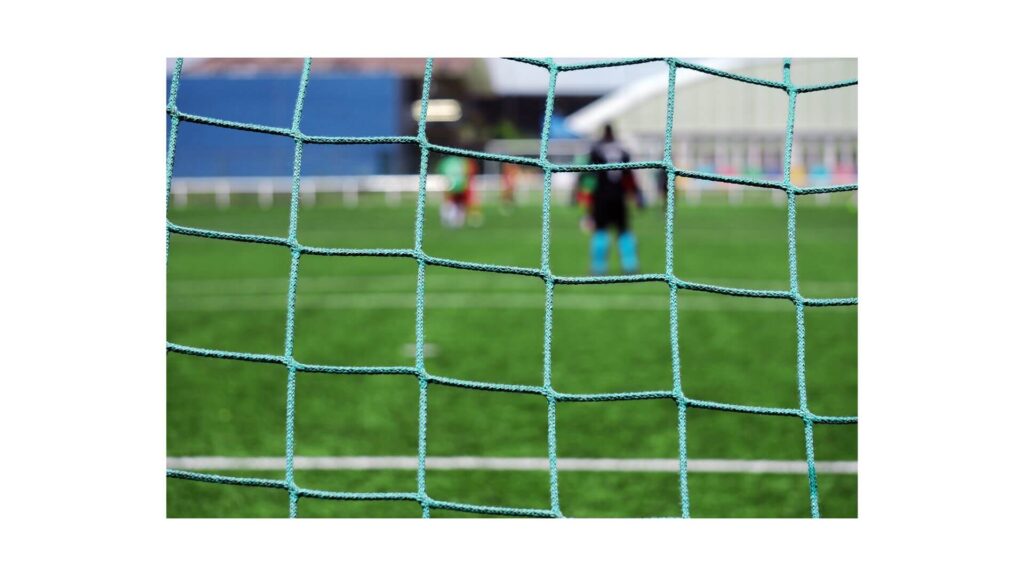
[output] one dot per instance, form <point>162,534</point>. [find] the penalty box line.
<point>197,463</point>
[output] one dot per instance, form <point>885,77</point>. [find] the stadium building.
<point>734,128</point>
<point>345,97</point>
<point>721,126</point>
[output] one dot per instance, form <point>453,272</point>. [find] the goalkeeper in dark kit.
<point>608,207</point>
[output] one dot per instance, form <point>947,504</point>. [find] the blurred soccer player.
<point>582,194</point>
<point>459,196</point>
<point>608,207</point>
<point>509,177</point>
<point>475,216</point>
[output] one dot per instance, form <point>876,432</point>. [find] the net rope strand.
<point>172,139</point>
<point>794,287</point>
<point>549,290</point>
<point>293,282</point>
<point>421,279</point>
<point>547,390</point>
<point>673,293</point>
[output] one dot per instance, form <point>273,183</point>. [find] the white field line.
<point>476,300</point>
<point>197,463</point>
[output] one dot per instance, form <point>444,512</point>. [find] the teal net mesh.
<point>547,390</point>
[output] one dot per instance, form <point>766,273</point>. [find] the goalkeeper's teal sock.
<point>627,253</point>
<point>599,242</point>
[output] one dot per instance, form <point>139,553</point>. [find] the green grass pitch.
<point>485,326</point>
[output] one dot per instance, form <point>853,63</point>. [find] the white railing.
<point>527,188</point>
<point>393,187</point>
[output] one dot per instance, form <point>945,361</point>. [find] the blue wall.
<point>336,105</point>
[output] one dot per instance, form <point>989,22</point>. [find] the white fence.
<point>527,188</point>
<point>392,187</point>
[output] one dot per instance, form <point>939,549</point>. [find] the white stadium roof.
<point>590,118</point>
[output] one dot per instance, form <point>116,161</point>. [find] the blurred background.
<point>493,105</point>
<point>227,417</point>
